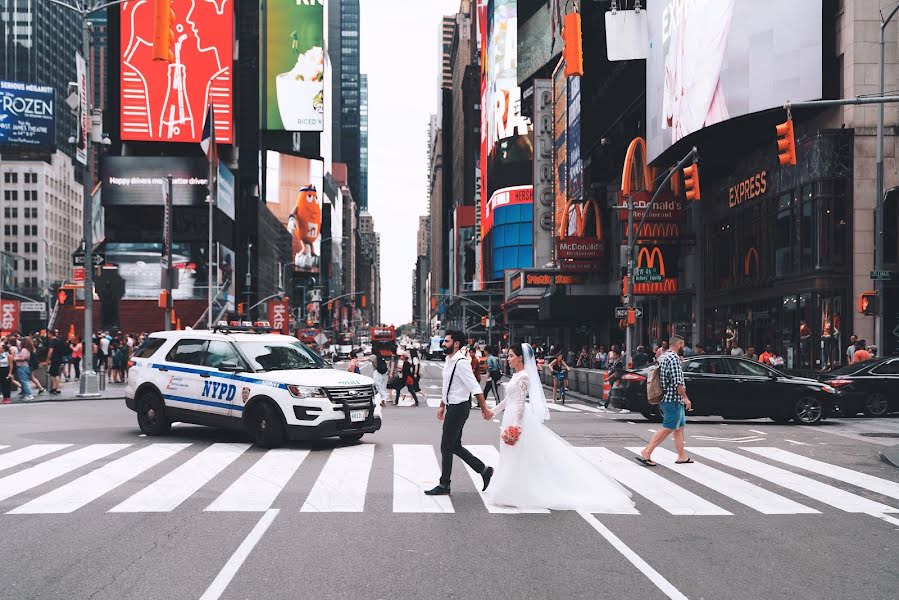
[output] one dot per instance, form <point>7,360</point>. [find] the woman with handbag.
<point>407,380</point>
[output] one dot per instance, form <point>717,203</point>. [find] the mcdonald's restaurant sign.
<point>666,208</point>
<point>659,259</point>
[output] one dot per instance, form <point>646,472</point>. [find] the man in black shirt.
<point>57,350</point>
<point>641,359</point>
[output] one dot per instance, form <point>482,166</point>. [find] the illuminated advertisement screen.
<point>294,195</point>
<point>294,85</point>
<point>713,60</point>
<point>130,180</point>
<point>167,102</point>
<point>27,115</point>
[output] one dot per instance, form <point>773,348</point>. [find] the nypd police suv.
<point>246,378</point>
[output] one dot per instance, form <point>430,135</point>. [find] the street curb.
<point>61,400</point>
<point>890,455</point>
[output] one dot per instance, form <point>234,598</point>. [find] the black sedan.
<point>734,388</point>
<point>871,387</point>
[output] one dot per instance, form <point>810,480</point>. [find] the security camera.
<point>106,141</point>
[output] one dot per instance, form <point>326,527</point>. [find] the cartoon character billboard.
<point>292,194</point>
<point>167,102</point>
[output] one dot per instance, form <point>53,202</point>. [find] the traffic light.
<point>66,297</point>
<point>867,304</point>
<point>364,301</point>
<point>573,48</point>
<point>242,308</point>
<point>163,31</point>
<point>786,143</point>
<point>691,181</point>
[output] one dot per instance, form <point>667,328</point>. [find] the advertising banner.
<point>129,180</point>
<point>279,315</point>
<point>560,145</point>
<point>543,172</point>
<point>84,116</point>
<point>225,276</point>
<point>666,208</point>
<point>225,191</point>
<point>292,194</point>
<point>293,41</point>
<point>138,264</point>
<point>167,102</point>
<point>661,259</point>
<point>27,115</point>
<point>9,316</point>
<point>713,60</point>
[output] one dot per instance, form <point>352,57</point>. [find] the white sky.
<point>400,53</point>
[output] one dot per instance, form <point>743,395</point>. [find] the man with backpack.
<point>381,375</point>
<point>494,374</point>
<point>673,402</point>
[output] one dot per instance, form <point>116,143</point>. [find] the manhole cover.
<point>881,435</point>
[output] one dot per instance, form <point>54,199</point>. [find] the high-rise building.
<point>447,27</point>
<point>363,145</point>
<point>343,25</point>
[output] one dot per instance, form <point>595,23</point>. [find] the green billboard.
<point>293,42</point>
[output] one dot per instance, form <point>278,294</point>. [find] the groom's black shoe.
<point>438,491</point>
<point>487,475</point>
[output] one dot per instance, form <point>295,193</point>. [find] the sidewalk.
<point>113,391</point>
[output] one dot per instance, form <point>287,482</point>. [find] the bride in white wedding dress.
<point>541,470</point>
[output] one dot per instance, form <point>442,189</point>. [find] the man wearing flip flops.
<point>673,405</point>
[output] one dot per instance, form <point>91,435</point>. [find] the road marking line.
<point>654,576</point>
<point>490,456</point>
<point>15,484</point>
<point>586,408</point>
<point>669,496</point>
<point>751,495</point>
<point>561,408</point>
<point>170,491</point>
<point>826,494</point>
<point>4,447</point>
<point>886,518</point>
<point>259,486</point>
<point>28,453</point>
<point>757,431</point>
<point>795,443</point>
<point>630,422</point>
<point>343,483</point>
<point>220,583</point>
<point>415,469</point>
<point>86,489</point>
<point>433,401</point>
<point>862,480</point>
<point>652,430</point>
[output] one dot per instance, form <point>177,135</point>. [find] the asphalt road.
<point>91,509</point>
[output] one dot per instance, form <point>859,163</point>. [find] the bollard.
<point>101,380</point>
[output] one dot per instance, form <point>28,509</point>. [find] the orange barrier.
<point>606,386</point>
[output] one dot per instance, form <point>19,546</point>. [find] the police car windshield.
<point>280,356</point>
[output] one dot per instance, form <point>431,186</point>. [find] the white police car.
<point>270,385</point>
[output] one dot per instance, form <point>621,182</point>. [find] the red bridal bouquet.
<point>511,434</point>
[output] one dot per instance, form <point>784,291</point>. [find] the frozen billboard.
<point>293,88</point>
<point>27,115</point>
<point>713,60</point>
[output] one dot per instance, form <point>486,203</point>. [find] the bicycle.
<point>561,377</point>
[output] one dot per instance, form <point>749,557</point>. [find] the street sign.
<point>644,275</point>
<point>32,307</point>
<point>621,312</point>
<point>78,274</point>
<point>98,259</point>
<point>881,275</point>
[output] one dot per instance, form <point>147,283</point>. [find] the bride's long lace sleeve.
<point>520,395</point>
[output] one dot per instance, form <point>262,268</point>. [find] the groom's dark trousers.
<point>451,442</point>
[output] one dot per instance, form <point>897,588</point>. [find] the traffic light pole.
<point>631,242</point>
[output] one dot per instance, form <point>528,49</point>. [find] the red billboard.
<point>9,316</point>
<point>167,102</point>
<point>279,315</point>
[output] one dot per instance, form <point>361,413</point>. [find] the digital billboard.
<point>27,115</point>
<point>293,41</point>
<point>713,60</point>
<point>129,180</point>
<point>167,102</point>
<point>294,195</point>
<point>138,264</point>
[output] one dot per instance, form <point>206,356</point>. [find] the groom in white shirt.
<point>459,385</point>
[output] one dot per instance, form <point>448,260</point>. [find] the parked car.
<point>734,388</point>
<point>871,387</point>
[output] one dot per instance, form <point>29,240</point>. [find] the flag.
<point>207,142</point>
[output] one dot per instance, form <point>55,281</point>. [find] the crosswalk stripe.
<point>88,488</point>
<point>585,408</point>
<point>177,486</point>
<point>3,447</point>
<point>560,408</point>
<point>490,456</point>
<point>751,495</point>
<point>259,486</point>
<point>28,453</point>
<point>800,484</point>
<point>15,484</point>
<point>415,469</point>
<point>343,483</point>
<point>658,490</point>
<point>433,401</point>
<point>862,480</point>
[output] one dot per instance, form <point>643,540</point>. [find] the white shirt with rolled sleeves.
<point>464,383</point>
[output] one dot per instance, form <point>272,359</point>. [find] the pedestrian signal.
<point>691,181</point>
<point>364,301</point>
<point>163,31</point>
<point>164,299</point>
<point>786,143</point>
<point>66,297</point>
<point>867,304</point>
<point>573,47</point>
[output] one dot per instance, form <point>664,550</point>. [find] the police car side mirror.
<point>329,363</point>
<point>230,367</point>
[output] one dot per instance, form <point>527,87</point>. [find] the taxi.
<point>246,378</point>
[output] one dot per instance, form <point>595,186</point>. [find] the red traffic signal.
<point>572,45</point>
<point>66,296</point>
<point>867,304</point>
<point>691,182</point>
<point>786,143</point>
<point>163,31</point>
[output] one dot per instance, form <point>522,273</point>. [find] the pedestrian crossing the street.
<point>232,477</point>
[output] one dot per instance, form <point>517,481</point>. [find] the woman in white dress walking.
<point>541,470</point>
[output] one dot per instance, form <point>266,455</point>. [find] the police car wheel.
<point>265,426</point>
<point>151,415</point>
<point>351,437</point>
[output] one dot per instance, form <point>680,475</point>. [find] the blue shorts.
<point>674,415</point>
